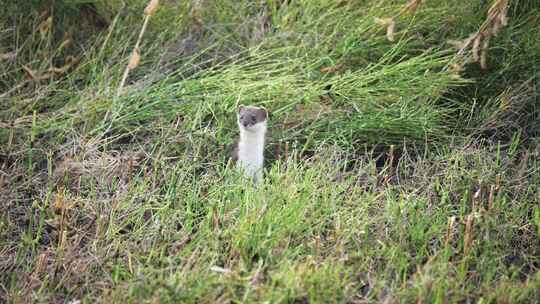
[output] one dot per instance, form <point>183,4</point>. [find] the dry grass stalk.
<point>468,238</point>
<point>491,197</point>
<point>479,42</point>
<point>62,70</point>
<point>41,264</point>
<point>59,201</point>
<point>30,74</point>
<point>215,220</point>
<point>390,165</point>
<point>390,23</point>
<point>63,240</point>
<point>477,197</point>
<point>15,88</point>
<point>111,28</point>
<point>35,77</point>
<point>449,230</point>
<point>135,55</point>
<point>476,48</point>
<point>523,171</point>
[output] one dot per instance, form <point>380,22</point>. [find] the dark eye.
<point>253,118</point>
<point>241,117</point>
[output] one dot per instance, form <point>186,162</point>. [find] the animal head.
<point>251,118</point>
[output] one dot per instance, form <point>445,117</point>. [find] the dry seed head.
<point>134,59</point>
<point>151,7</point>
<point>390,30</point>
<point>491,27</point>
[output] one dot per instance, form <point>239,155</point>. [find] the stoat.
<point>252,122</point>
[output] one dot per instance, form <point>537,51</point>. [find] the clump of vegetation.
<point>401,169</point>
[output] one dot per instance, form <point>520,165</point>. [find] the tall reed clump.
<point>326,76</point>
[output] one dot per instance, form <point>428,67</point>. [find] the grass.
<point>314,232</point>
<point>388,178</point>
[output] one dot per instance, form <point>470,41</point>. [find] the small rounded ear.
<point>265,111</point>
<point>241,108</point>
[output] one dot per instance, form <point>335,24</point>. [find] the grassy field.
<point>399,168</point>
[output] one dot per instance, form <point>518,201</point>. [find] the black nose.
<point>245,124</point>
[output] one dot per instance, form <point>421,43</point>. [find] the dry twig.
<point>135,55</point>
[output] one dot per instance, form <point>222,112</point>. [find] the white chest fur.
<point>251,151</point>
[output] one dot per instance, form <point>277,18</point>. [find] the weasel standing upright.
<point>252,122</point>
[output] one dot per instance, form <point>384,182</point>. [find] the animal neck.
<point>253,140</point>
